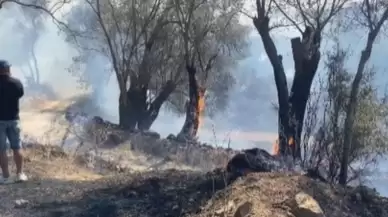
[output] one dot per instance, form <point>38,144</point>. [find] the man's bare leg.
<point>13,134</point>
<point>18,158</point>
<point>3,150</point>
<point>4,163</point>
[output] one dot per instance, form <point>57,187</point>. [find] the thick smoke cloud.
<point>250,109</point>
<point>59,71</point>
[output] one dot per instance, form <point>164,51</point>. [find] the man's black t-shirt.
<point>11,90</point>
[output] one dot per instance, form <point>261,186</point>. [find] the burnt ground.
<point>61,187</point>
<point>167,193</point>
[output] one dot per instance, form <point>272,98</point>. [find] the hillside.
<point>142,175</point>
<point>61,186</point>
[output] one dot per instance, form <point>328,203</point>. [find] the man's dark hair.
<point>4,64</point>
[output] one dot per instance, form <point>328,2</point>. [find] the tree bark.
<point>305,70</point>
<point>125,110</point>
<point>133,110</point>
<point>137,113</point>
<point>262,25</point>
<point>153,111</point>
<point>291,106</point>
<point>190,126</point>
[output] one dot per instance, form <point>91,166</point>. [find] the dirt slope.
<point>44,122</point>
<point>61,187</point>
<point>53,175</point>
<point>291,195</point>
<point>65,186</point>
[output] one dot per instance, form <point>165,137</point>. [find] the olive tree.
<point>145,48</point>
<point>137,40</point>
<point>325,125</point>
<point>371,15</point>
<point>212,40</point>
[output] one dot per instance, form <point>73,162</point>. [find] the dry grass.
<point>47,162</point>
<point>59,186</point>
<point>57,183</point>
<point>53,176</point>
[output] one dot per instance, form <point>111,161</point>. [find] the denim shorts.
<point>10,130</point>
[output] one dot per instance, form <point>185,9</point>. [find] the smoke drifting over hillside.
<point>54,64</point>
<point>55,59</point>
<point>250,119</point>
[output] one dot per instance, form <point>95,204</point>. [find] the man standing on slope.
<point>11,90</point>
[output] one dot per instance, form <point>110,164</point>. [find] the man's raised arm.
<point>19,89</point>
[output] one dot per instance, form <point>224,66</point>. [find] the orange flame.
<point>276,148</point>
<point>201,105</point>
<point>291,142</point>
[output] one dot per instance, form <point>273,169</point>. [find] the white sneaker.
<point>21,177</point>
<point>7,181</point>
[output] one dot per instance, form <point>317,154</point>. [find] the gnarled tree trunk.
<point>292,106</point>
<point>136,112</point>
<point>190,126</point>
<point>132,108</point>
<point>152,112</point>
<point>306,59</point>
<point>262,25</point>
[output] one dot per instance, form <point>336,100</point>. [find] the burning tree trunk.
<point>262,25</point>
<point>292,105</point>
<point>190,127</point>
<point>201,106</point>
<point>314,16</point>
<point>306,59</point>
<point>275,148</point>
<point>203,27</point>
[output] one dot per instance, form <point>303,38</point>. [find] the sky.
<point>256,125</point>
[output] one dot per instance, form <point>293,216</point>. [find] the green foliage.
<point>370,134</point>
